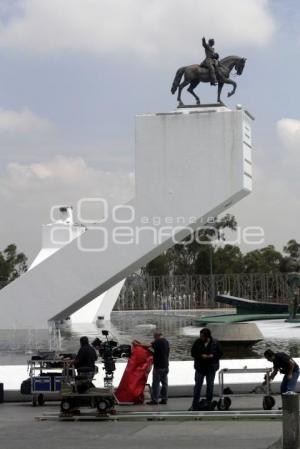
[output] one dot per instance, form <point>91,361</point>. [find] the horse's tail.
<point>177,79</point>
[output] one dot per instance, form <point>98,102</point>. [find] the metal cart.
<point>224,402</point>
<point>46,376</point>
<point>78,391</point>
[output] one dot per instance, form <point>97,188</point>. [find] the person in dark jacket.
<point>86,357</point>
<point>286,365</point>
<point>161,352</point>
<point>206,352</point>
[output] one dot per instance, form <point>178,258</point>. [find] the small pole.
<point>212,280</point>
<point>290,421</point>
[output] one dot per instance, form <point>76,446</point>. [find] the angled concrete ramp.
<point>191,164</point>
<point>100,308</point>
<point>59,233</point>
<point>248,306</point>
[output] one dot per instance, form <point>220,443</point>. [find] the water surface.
<point>15,345</point>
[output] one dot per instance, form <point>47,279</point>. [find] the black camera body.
<point>109,351</point>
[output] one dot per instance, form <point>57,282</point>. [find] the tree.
<point>292,249</point>
<point>12,264</point>
<point>198,253</point>
<point>228,259</point>
<point>158,266</point>
<point>264,260</point>
<point>193,254</point>
<point>292,261</point>
<point>204,260</point>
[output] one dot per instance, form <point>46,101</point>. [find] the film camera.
<point>109,350</point>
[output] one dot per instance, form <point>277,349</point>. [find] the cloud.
<point>24,135</point>
<point>146,29</point>
<point>65,176</point>
<point>275,201</point>
<point>28,191</point>
<point>23,122</point>
<point>289,134</point>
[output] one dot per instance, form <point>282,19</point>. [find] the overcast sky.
<point>73,73</point>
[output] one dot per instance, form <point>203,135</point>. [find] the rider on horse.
<point>211,60</point>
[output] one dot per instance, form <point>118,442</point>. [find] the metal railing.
<point>194,292</point>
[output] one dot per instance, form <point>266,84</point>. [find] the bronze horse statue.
<point>194,74</point>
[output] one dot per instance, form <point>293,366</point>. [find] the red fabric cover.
<point>132,385</point>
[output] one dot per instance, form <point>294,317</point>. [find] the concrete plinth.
<point>238,332</point>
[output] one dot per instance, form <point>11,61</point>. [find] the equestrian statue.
<point>212,70</point>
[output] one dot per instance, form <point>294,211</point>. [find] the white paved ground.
<point>20,430</point>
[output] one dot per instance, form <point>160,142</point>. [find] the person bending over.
<point>286,365</point>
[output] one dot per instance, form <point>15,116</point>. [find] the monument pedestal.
<point>191,164</point>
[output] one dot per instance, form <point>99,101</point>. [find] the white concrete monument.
<point>55,236</point>
<point>191,164</point>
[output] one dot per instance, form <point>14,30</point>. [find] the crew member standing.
<point>206,352</point>
<point>161,352</point>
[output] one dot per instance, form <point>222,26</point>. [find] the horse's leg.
<point>180,87</point>
<point>220,87</point>
<point>233,83</point>
<point>191,90</point>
